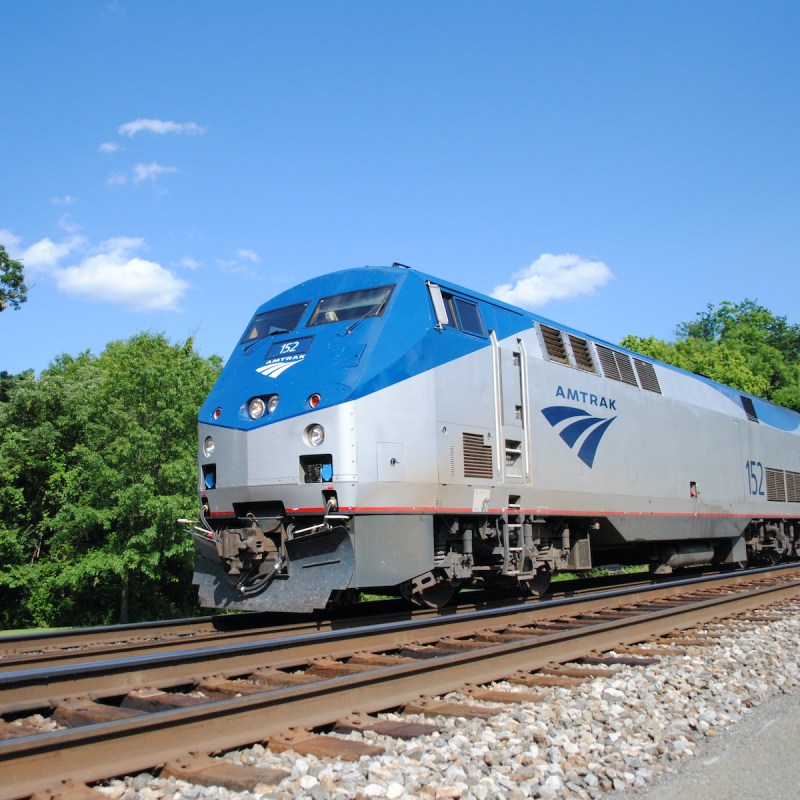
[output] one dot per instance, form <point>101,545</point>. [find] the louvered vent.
<point>749,409</point>
<point>608,362</point>
<point>554,345</point>
<point>477,457</point>
<point>793,487</point>
<point>583,356</point>
<point>626,373</point>
<point>647,375</point>
<point>776,488</point>
<point>616,366</point>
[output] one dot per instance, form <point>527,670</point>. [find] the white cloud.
<point>248,255</point>
<point>11,242</point>
<point>113,274</point>
<point>44,255</point>
<point>553,277</point>
<point>159,126</point>
<point>150,172</point>
<point>66,200</point>
<point>187,262</point>
<point>109,147</point>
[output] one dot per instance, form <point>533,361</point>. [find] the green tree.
<point>100,469</point>
<point>742,344</point>
<point>13,291</point>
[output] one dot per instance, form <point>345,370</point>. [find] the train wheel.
<point>437,595</point>
<point>537,585</point>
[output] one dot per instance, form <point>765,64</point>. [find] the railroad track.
<point>122,715</point>
<point>80,645</point>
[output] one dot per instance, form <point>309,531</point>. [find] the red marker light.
<point>314,400</point>
<point>217,413</point>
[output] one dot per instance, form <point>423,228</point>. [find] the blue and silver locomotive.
<point>378,429</point>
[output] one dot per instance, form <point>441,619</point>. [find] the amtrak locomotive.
<point>378,429</point>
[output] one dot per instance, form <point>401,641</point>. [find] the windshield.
<point>271,323</point>
<point>351,305</point>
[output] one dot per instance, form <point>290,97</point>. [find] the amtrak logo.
<point>578,428</point>
<point>275,368</point>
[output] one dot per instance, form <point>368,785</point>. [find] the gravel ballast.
<point>616,734</point>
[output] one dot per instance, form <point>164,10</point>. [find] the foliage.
<point>98,458</point>
<point>13,291</point>
<point>743,345</point>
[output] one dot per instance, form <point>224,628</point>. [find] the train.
<point>381,430</point>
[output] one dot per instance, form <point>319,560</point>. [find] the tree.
<point>13,291</point>
<point>99,461</point>
<point>742,344</point>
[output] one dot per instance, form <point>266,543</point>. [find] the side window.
<point>470,316</point>
<point>456,312</point>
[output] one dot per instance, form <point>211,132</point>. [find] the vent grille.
<point>625,368</point>
<point>583,356</point>
<point>616,366</point>
<point>554,344</point>
<point>749,409</point>
<point>608,362</point>
<point>647,375</point>
<point>478,462</point>
<point>793,487</point>
<point>776,488</point>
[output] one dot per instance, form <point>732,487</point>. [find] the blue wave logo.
<point>581,430</point>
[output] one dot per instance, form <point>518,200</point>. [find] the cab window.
<point>469,316</point>
<point>463,315</point>
<point>351,305</point>
<point>274,322</point>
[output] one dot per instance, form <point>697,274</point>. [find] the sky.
<point>615,166</point>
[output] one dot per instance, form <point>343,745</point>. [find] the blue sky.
<point>616,166</point>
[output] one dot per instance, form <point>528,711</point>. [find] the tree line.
<point>98,461</point>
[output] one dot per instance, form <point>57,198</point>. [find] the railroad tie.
<point>377,659</point>
<point>305,743</point>
<point>326,667</point>
<point>148,699</point>
<point>501,695</point>
<point>207,771</point>
<point>74,713</point>
<point>397,729</point>
<point>430,707</point>
<point>621,658</point>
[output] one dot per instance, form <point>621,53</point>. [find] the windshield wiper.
<point>375,311</point>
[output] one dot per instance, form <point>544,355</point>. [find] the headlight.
<point>315,435</point>
<point>208,446</point>
<point>272,403</point>
<point>256,408</point>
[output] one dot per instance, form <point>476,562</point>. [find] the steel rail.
<point>98,751</point>
<point>79,645</point>
<point>30,689</point>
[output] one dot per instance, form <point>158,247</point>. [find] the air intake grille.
<point>608,362</point>
<point>647,375</point>
<point>554,345</point>
<point>583,356</point>
<point>776,489</point>
<point>793,487</point>
<point>616,366</point>
<point>477,457</point>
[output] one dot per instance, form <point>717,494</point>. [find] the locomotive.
<point>380,429</point>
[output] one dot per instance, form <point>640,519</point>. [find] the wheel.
<point>436,595</point>
<point>537,585</point>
